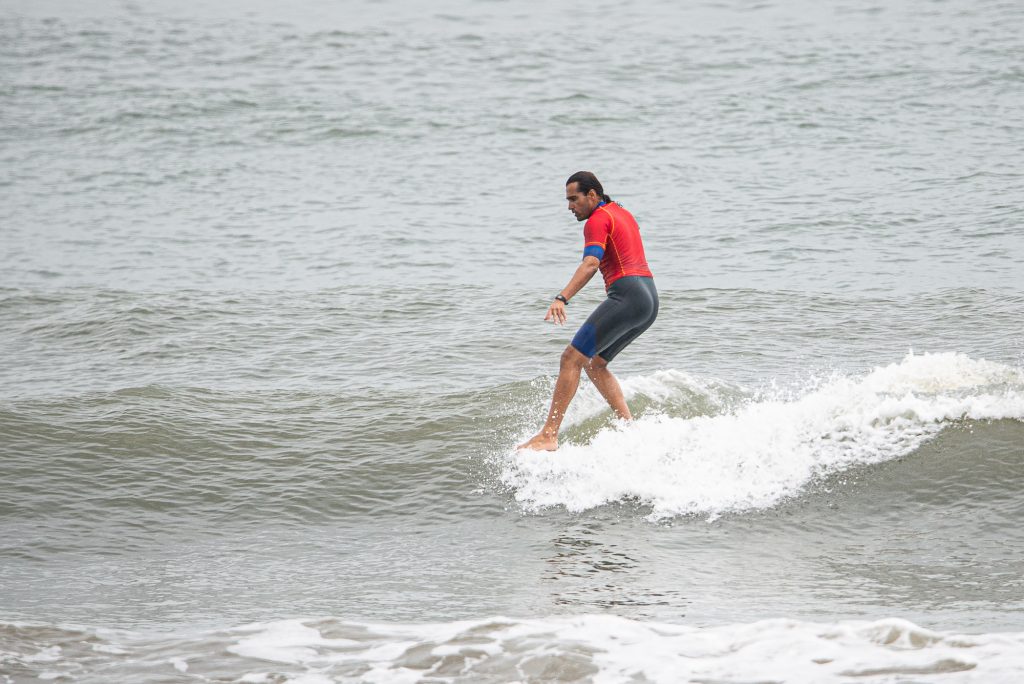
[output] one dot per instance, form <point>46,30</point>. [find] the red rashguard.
<point>612,235</point>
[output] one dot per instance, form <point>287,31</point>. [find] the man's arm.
<point>584,272</point>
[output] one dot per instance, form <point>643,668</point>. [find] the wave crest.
<point>766,449</point>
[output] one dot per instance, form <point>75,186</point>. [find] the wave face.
<point>770,447</point>
<point>585,648</point>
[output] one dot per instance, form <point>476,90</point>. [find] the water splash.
<point>767,449</point>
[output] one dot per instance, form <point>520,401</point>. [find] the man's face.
<point>582,206</point>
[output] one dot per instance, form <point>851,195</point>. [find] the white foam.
<point>311,678</point>
<point>255,678</point>
<point>286,641</point>
<point>109,648</point>
<point>50,654</point>
<point>606,649</point>
<point>660,387</point>
<point>768,449</point>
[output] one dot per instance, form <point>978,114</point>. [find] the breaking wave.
<point>752,453</point>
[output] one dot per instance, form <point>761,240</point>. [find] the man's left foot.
<point>540,442</point>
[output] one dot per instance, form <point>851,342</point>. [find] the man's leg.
<point>608,386</point>
<point>568,381</point>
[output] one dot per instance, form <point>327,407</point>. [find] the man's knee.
<point>573,357</point>
<point>597,364</point>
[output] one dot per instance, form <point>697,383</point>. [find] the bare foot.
<point>540,442</point>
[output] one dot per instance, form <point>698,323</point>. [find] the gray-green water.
<point>272,283</point>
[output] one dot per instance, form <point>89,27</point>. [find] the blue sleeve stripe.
<point>594,251</point>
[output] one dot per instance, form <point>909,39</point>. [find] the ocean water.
<point>272,282</point>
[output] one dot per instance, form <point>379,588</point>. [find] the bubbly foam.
<point>605,648</point>
<point>581,648</point>
<point>286,641</point>
<point>668,387</point>
<point>767,449</point>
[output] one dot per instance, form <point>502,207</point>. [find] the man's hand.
<point>584,272</point>
<point>556,313</point>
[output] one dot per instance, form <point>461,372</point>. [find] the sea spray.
<point>766,450</point>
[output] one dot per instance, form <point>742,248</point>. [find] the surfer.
<point>612,244</point>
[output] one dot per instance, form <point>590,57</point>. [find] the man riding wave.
<point>612,245</point>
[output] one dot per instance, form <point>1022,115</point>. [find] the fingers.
<point>556,313</point>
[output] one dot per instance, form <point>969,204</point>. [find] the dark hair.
<point>586,182</point>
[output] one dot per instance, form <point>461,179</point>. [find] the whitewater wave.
<point>767,448</point>
<point>584,648</point>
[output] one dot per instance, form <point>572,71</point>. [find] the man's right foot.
<point>540,442</point>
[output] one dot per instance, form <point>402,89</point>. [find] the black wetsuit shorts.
<point>630,309</point>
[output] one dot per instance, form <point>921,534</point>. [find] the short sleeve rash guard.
<point>612,235</point>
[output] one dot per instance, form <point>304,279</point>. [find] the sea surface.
<point>272,287</point>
